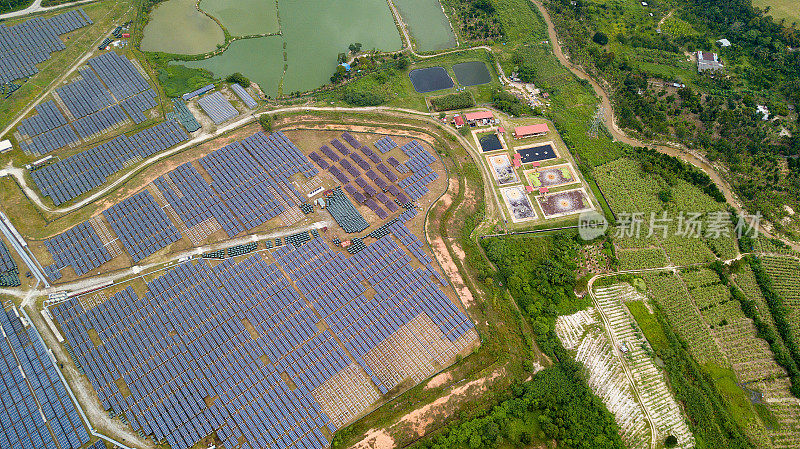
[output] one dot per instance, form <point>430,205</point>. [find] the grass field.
<point>781,9</point>
<point>649,324</point>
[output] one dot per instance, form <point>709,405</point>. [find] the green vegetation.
<point>781,317</point>
<point>178,79</point>
<point>14,5</point>
<point>239,79</point>
<point>648,323</point>
<point>659,94</point>
<point>265,120</point>
<point>557,401</point>
<point>449,102</point>
<point>510,104</point>
<point>711,420</point>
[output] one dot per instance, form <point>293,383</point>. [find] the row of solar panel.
<point>141,225</point>
<point>71,177</point>
<point>217,107</point>
<point>24,424</point>
<point>80,247</point>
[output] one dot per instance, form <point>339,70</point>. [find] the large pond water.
<point>315,32</point>
<point>244,17</point>
<point>427,23</point>
<point>176,26</point>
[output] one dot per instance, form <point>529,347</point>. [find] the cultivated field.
<point>622,370</point>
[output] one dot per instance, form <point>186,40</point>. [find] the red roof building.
<point>521,132</point>
<point>543,190</point>
<point>458,121</point>
<point>501,130</point>
<point>529,189</point>
<point>479,115</point>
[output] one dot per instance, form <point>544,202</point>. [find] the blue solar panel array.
<point>195,201</point>
<point>50,140</point>
<point>385,144</point>
<point>351,140</point>
<point>110,90</point>
<point>71,177</point>
<point>207,88</point>
<point>184,345</point>
<point>119,74</point>
<point>183,115</point>
<point>85,95</point>
<point>24,45</point>
<point>217,107</point>
<point>141,225</point>
<point>79,247</point>
<point>47,117</point>
<point>281,158</point>
<point>27,401</point>
<point>137,104</point>
<point>243,95</point>
<point>241,182</point>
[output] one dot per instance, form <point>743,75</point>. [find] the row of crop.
<point>669,292</point>
<point>782,333</point>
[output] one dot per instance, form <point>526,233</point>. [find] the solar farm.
<point>31,42</point>
<point>274,344</point>
<point>36,410</point>
<point>109,93</point>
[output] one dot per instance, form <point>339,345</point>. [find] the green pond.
<point>315,32</point>
<point>244,17</point>
<point>176,26</point>
<point>427,23</point>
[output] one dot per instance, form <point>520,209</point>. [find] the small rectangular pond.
<point>490,142</point>
<point>537,153</point>
<point>430,79</point>
<point>472,73</point>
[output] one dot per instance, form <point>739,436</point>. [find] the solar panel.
<point>244,96</point>
<point>217,107</point>
<point>141,225</point>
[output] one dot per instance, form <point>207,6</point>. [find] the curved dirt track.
<point>617,134</point>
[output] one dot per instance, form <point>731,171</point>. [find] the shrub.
<point>600,38</point>
<point>449,102</point>
<point>239,79</point>
<point>265,120</point>
<point>362,97</point>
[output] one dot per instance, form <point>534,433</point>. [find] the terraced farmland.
<point>783,271</point>
<point>622,371</point>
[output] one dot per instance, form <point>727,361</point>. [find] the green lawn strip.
<point>649,324</point>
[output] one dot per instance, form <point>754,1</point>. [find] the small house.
<point>479,118</point>
<point>521,132</point>
<point>458,121</point>
<point>708,61</point>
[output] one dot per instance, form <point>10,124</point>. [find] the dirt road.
<point>685,154</point>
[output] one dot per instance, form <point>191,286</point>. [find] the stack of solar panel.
<point>343,211</point>
<point>50,140</point>
<point>340,146</point>
<point>397,165</point>
<point>9,273</point>
<point>371,154</point>
<point>24,45</point>
<point>307,208</point>
<point>217,107</point>
<point>47,117</point>
<point>78,174</point>
<point>244,96</point>
<point>99,121</point>
<point>298,239</point>
<point>31,382</point>
<point>183,115</point>
<point>242,249</point>
<point>218,254</point>
<point>280,157</point>
<point>195,201</point>
<point>188,96</point>
<point>326,150</point>
<point>79,247</point>
<point>141,225</point>
<point>385,144</point>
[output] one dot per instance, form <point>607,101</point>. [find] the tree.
<point>265,120</point>
<point>402,62</point>
<point>239,79</point>
<point>600,38</point>
<point>671,441</point>
<point>355,47</point>
<point>342,57</point>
